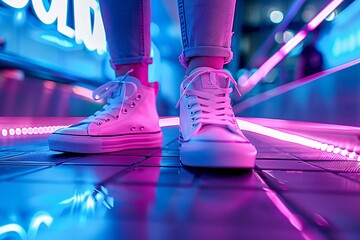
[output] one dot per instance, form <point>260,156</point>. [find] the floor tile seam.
<point>317,159</point>
<point>95,165</point>
<point>69,159</point>
<point>321,192</point>
<point>320,170</point>
<point>13,156</point>
<point>127,155</point>
<point>331,171</point>
<point>192,183</point>
<point>153,184</point>
<point>158,166</point>
<point>349,178</point>
<point>313,165</point>
<point>116,175</point>
<point>53,163</point>
<point>317,190</point>
<point>141,161</point>
<point>297,210</point>
<point>66,182</point>
<point>26,164</point>
<point>24,174</point>
<point>68,163</point>
<point>234,188</point>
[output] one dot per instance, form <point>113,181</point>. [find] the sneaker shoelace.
<point>116,93</point>
<point>212,106</point>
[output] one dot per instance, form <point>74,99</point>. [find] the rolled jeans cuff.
<point>122,61</point>
<point>202,51</point>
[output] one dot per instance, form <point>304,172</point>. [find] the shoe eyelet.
<point>142,128</point>
<point>124,110</point>
<point>100,123</point>
<point>192,119</point>
<point>187,96</point>
<point>138,97</point>
<point>189,106</point>
<point>193,125</point>
<point>132,129</point>
<point>117,117</point>
<point>132,105</point>
<point>191,113</point>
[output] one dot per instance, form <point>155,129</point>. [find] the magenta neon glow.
<point>266,67</point>
<point>352,155</point>
<point>293,218</point>
<point>9,132</point>
<point>292,43</point>
<point>320,17</point>
<point>272,61</point>
<point>288,137</point>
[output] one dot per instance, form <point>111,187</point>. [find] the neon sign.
<point>92,35</point>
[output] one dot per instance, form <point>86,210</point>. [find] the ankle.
<point>140,71</point>
<point>213,62</point>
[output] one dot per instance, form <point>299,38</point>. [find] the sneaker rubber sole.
<point>218,154</point>
<point>103,144</point>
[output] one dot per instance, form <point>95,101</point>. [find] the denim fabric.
<point>206,29</point>
<point>127,26</point>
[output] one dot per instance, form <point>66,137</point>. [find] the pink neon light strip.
<point>274,60</point>
<point>21,131</point>
<point>288,137</point>
<point>265,68</point>
<point>174,121</point>
<point>320,17</point>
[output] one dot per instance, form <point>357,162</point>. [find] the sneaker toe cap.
<point>73,130</point>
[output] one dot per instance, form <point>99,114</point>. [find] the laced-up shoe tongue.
<point>210,80</point>
<point>128,88</point>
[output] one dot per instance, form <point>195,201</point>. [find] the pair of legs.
<point>209,134</point>
<point>206,28</point>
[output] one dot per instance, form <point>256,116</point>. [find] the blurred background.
<point>53,56</point>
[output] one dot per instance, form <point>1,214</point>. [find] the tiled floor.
<point>293,193</point>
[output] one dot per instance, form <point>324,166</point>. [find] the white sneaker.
<point>129,120</point>
<point>209,134</point>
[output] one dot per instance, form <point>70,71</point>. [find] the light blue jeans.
<point>206,29</point>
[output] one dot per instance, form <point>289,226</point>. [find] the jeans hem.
<point>202,51</point>
<point>122,61</point>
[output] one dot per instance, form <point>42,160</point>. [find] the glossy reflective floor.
<point>295,192</point>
